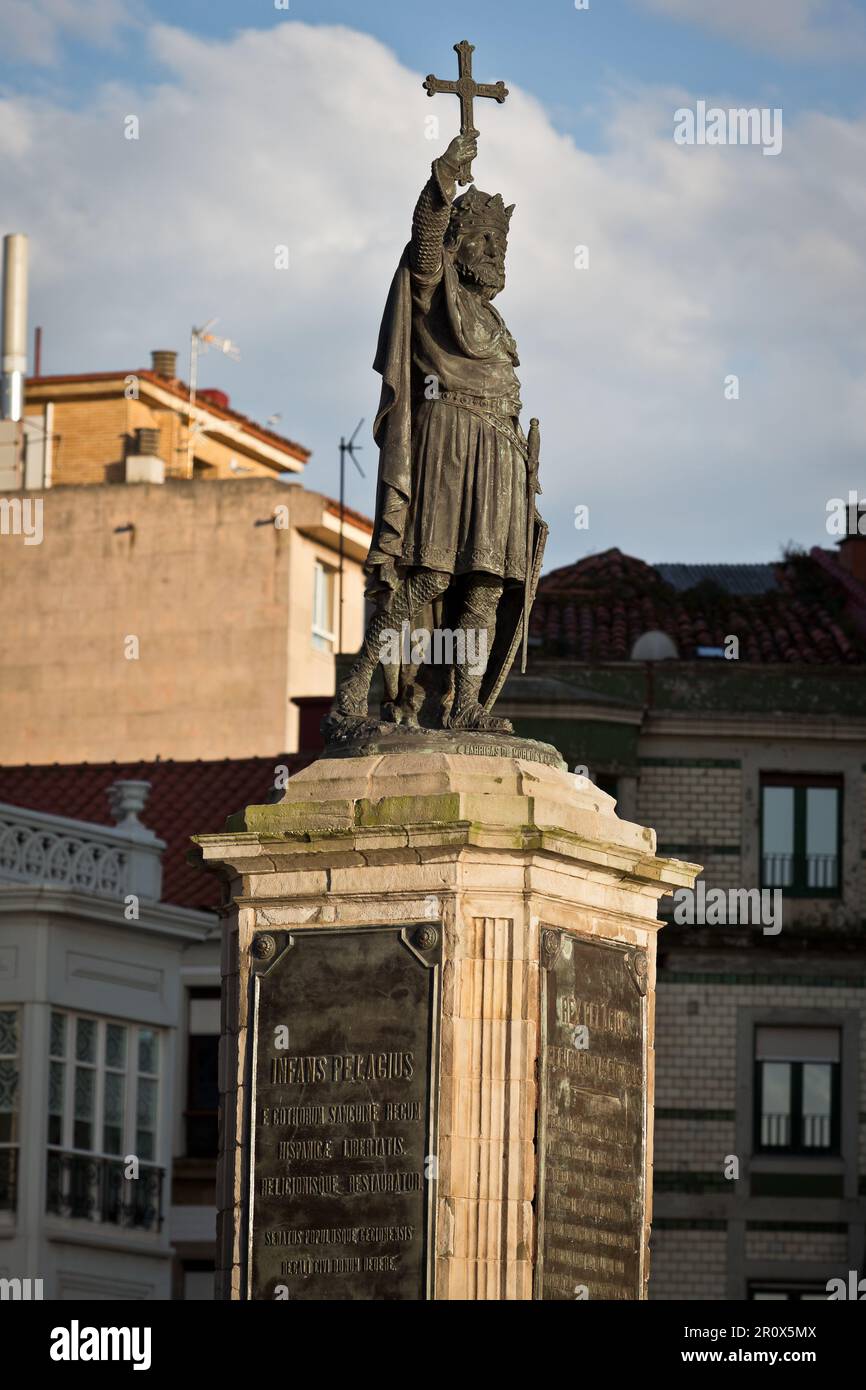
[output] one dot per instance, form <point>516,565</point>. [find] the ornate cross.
<point>466,88</point>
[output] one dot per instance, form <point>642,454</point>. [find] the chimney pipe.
<point>13,364</point>
<point>164,363</point>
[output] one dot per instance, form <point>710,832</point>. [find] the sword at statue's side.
<point>533,443</point>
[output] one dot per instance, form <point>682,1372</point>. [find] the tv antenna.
<point>346,447</point>
<point>200,340</point>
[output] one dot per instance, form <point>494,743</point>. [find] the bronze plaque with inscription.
<point>592,1119</point>
<point>342,1138</point>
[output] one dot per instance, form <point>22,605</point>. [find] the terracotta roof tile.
<point>175,387</point>
<point>185,798</point>
<point>801,610</point>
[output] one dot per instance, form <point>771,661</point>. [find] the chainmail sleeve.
<point>430,221</point>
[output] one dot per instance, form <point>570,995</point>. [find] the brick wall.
<point>692,1142</point>
<point>93,434</point>
<point>696,1051</point>
<point>691,800</point>
<point>89,443</point>
<point>694,805</point>
<point>797,1245</point>
<point>688,1264</point>
<point>695,1125</point>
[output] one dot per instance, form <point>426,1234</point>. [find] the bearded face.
<point>480,259</point>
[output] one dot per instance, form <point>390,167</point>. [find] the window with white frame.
<point>103,1107</point>
<point>103,1087</point>
<point>9,1080</point>
<point>323,607</point>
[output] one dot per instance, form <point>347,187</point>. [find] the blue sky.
<point>567,59</point>
<point>704,262</point>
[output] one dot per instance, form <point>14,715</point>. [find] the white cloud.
<point>33,30</point>
<point>703,261</point>
<point>811,29</point>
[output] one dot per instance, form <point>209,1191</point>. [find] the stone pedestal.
<point>516,917</point>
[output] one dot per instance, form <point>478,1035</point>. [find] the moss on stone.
<point>442,809</point>
<point>293,818</point>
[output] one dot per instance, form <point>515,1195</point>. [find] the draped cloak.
<point>451,491</point>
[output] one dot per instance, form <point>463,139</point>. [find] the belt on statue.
<point>478,406</point>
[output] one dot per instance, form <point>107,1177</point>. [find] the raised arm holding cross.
<point>457,538</point>
<point>467,89</point>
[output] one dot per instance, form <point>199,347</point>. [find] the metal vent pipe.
<point>13,362</point>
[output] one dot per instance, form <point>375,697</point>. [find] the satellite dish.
<point>654,646</point>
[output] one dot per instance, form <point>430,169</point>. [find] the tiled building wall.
<point>93,434</point>
<point>796,1245</point>
<point>695,1046</point>
<point>688,1259</point>
<point>695,1127</point>
<point>89,438</point>
<point>696,1028</point>
<point>699,1138</point>
<point>694,805</point>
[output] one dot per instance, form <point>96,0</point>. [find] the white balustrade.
<point>30,852</point>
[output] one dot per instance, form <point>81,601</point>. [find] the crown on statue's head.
<point>476,209</point>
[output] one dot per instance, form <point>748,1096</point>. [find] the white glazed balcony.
<point>80,856</point>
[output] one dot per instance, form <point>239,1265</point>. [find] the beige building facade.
<point>141,425</point>
<point>172,620</point>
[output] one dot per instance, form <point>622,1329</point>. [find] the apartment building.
<point>747,756</point>
<point>173,620</point>
<point>110,1022</point>
<point>143,615</point>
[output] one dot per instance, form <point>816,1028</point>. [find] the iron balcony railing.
<point>815,1131</point>
<point>775,1131</point>
<point>89,1187</point>
<point>818,871</point>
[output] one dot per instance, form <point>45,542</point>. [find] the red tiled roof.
<point>175,387</point>
<point>185,798</point>
<point>596,609</point>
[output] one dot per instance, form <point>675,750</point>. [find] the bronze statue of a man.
<point>455,527</point>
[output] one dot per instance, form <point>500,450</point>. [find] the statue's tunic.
<point>452,477</point>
